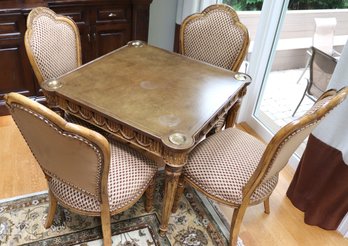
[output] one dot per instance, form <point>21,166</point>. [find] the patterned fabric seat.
<point>233,157</point>
<point>86,172</point>
<point>129,176</point>
<point>238,170</point>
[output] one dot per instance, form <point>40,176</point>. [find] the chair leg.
<point>298,105</point>
<point>52,208</point>
<point>106,227</point>
<point>304,70</point>
<point>304,94</point>
<point>179,192</point>
<point>237,219</point>
<point>149,194</point>
<point>266,206</point>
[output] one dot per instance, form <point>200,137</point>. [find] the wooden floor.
<point>20,174</point>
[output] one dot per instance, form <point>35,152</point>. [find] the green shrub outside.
<point>293,4</point>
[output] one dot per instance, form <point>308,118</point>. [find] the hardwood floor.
<point>20,174</point>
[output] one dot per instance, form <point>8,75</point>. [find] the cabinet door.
<point>110,37</point>
<point>81,17</point>
<point>112,29</point>
<point>15,69</point>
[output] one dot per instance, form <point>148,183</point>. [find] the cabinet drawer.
<point>77,14</point>
<point>9,26</point>
<point>115,13</point>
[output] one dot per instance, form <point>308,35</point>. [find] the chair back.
<point>321,68</point>
<point>52,43</point>
<point>287,139</point>
<point>215,36</point>
<point>70,153</point>
<point>323,37</point>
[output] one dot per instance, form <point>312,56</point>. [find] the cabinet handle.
<point>89,38</point>
<point>94,36</point>
<point>112,15</point>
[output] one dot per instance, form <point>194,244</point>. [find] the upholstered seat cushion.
<point>130,173</point>
<point>223,163</point>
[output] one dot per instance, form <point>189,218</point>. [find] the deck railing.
<point>297,33</point>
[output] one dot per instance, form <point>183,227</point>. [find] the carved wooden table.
<point>159,102</point>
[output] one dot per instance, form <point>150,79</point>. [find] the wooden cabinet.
<point>104,25</point>
<point>112,28</point>
<point>15,69</point>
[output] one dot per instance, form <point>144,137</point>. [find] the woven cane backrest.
<point>52,43</point>
<point>321,68</point>
<point>215,36</point>
<point>67,152</point>
<point>287,139</point>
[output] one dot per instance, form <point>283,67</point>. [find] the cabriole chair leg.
<point>237,218</point>
<point>266,206</point>
<point>51,209</point>
<point>106,227</point>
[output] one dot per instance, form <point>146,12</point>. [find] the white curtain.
<point>189,7</point>
<point>333,129</point>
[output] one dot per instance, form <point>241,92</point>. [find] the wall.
<point>162,23</point>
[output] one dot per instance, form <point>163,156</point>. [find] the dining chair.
<point>215,36</point>
<point>321,67</point>
<point>238,170</point>
<point>52,43</point>
<point>86,173</point>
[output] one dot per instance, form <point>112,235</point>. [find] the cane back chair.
<point>215,36</point>
<point>52,43</point>
<point>236,169</point>
<point>321,68</point>
<point>85,172</point>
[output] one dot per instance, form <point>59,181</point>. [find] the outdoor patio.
<point>281,96</point>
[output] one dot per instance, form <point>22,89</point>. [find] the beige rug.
<point>22,218</point>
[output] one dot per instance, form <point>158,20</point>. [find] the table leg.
<point>171,183</point>
<point>232,114</point>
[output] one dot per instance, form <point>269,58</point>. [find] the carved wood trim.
<point>120,131</point>
<point>175,158</point>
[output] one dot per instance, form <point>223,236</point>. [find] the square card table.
<point>159,102</point>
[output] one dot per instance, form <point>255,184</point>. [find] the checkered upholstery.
<point>53,42</point>
<point>130,173</point>
<point>222,165</point>
<point>214,37</point>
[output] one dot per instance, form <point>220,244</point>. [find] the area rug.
<point>22,219</point>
